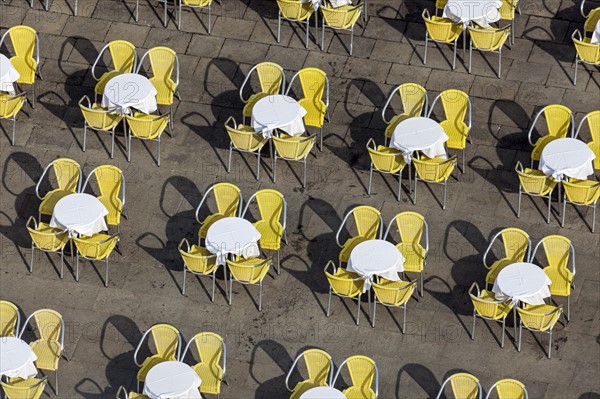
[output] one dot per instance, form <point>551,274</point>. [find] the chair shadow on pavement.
<point>421,375</point>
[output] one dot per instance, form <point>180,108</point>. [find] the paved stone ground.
<point>105,324</point>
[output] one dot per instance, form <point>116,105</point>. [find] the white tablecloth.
<point>596,34</point>
<point>8,75</point>
<point>567,157</point>
<point>524,282</point>
<point>376,257</point>
<point>323,393</point>
<point>170,380</point>
<point>482,12</point>
<point>278,112</point>
<point>419,134</point>
<point>232,235</point>
<point>16,358</point>
<point>129,90</point>
<point>79,213</point>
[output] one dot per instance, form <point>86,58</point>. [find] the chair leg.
<point>77,268</point>
<point>444,203</point>
<point>56,382</point>
<point>575,74</point>
<point>374,312</point>
<point>14,130</point>
<point>183,285</point>
<point>594,217</point>
<point>425,53</point>
<point>549,207</point>
<point>421,283</point>
<point>503,330</point>
<point>106,272</point>
<point>158,153</point>
<point>404,319</point>
<point>260,296</point>
<point>229,160</point>
<point>470,54</point>
<point>519,204</point>
<point>230,289</point>
<point>33,98</point>
<point>279,27</point>
<point>214,277</point>
<point>520,335</point>
<point>399,185</point>
<point>351,39</point>
<point>473,329</point>
<point>358,311</point>
<point>464,156</point>
<point>323,35</point>
<point>307,28</point>
<point>564,209</point>
<point>278,263</point>
<point>415,192</point>
<point>209,19</point>
<point>274,168</point>
<point>454,59</point>
<point>370,178</point>
<point>500,62</point>
<point>258,166</point>
<point>550,345</point>
<point>112,144</point>
<point>62,262</point>
<point>304,177</point>
<point>329,302</point>
<point>568,308</point>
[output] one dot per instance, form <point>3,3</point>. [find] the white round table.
<point>232,235</point>
<point>596,34</point>
<point>79,213</point>
<point>8,75</point>
<point>278,112</point>
<point>522,282</point>
<point>129,90</point>
<point>323,393</point>
<point>376,257</point>
<point>420,134</point>
<point>567,157</point>
<point>482,12</point>
<point>172,379</point>
<point>16,358</point>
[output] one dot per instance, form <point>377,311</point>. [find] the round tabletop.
<point>570,157</point>
<point>172,379</point>
<point>523,281</point>
<point>482,12</point>
<point>417,134</point>
<point>278,112</point>
<point>130,90</point>
<point>8,74</point>
<point>80,213</point>
<point>232,235</point>
<point>323,393</point>
<point>16,358</point>
<point>376,257</point>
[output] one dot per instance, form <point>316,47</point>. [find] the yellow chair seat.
<point>50,200</point>
<point>48,354</point>
<point>414,256</point>
<point>503,308</point>
<point>148,363</point>
<point>270,235</point>
<point>496,267</point>
<point>252,262</point>
<point>349,246</point>
<point>135,395</point>
<point>166,90</point>
<point>302,387</point>
<point>359,393</point>
<point>89,251</point>
<point>106,76</point>
<point>345,273</point>
<point>389,130</point>
<point>26,68</point>
<point>539,308</point>
<point>210,219</point>
<point>211,376</point>
<point>247,111</point>
<point>457,132</point>
<point>441,19</point>
<point>539,146</point>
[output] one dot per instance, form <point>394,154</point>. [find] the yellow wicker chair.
<point>248,272</point>
<point>228,198</point>
<point>581,193</point>
<point>292,148</point>
<point>340,18</point>
<point>244,139</point>
<point>97,247</point>
<point>167,342</point>
<point>591,18</point>
<point>487,307</point>
<point>344,284</point>
<point>538,318</point>
<point>414,103</point>
<point>51,345</point>
<point>559,121</point>
<point>295,11</point>
<point>464,386</point>
<point>111,184</point>
<point>319,366</point>
<point>211,350</point>
<point>99,119</point>
<point>123,394</point>
<point>593,123</point>
<point>146,127</point>
<point>440,5</point>
<point>587,53</point>
<point>536,184</point>
<point>124,60</point>
<point>488,39</point>
<point>392,294</point>
<point>47,239</point>
<point>10,319</point>
<point>68,177</point>
<point>507,13</point>
<point>441,30</point>
<point>193,4</point>
<point>199,261</point>
<point>30,388</point>
<point>433,170</point>
<point>508,389</point>
<point>369,226</point>
<point>9,109</point>
<point>517,248</point>
<point>272,81</point>
<point>386,160</point>
<point>363,373</point>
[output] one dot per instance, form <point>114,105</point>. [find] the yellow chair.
<point>199,261</point>
<point>340,18</point>
<point>536,184</point>
<point>163,63</point>
<point>441,30</point>
<point>123,394</point>
<point>345,285</point>
<point>124,59</point>
<point>47,239</point>
<point>517,248</point>
<point>486,306</point>
<point>111,183</point>
<point>411,228</point>
<point>51,345</point>
<point>581,193</point>
<point>167,343</point>
<point>414,103</point>
<point>250,271</point>
<point>363,371</point>
<point>99,119</point>
<point>587,53</point>
<point>211,350</point>
<point>97,247</point>
<point>30,388</point>
<point>10,319</point>
<point>315,97</point>
<point>68,177</point>
<point>433,170</point>
<point>319,366</point>
<point>559,121</point>
<point>193,4</point>
<point>9,109</point>
<point>25,42</point>
<point>392,294</point>
<point>464,386</point>
<point>146,127</point>
<point>386,160</point>
<point>457,107</point>
<point>244,139</point>
<point>593,122</point>
<point>440,5</point>
<point>272,208</point>
<point>507,13</point>
<point>228,198</point>
<point>508,389</point>
<point>488,39</point>
<point>538,318</point>
<point>292,148</point>
<point>295,11</point>
<point>272,81</point>
<point>369,226</point>
<point>591,18</point>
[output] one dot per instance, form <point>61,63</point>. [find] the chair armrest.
<point>98,58</point>
<point>489,249</point>
<point>337,234</point>
<point>287,377</point>
<point>117,236</point>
